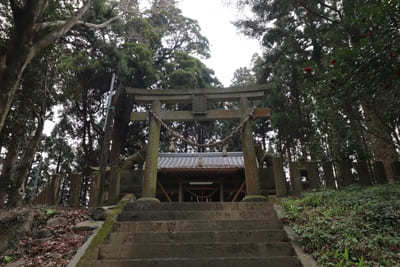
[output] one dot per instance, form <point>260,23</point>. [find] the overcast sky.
<point>230,49</point>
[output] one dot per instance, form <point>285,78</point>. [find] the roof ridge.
<point>200,154</point>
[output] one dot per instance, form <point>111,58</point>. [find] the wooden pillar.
<point>75,193</point>
<point>3,196</point>
<point>53,190</point>
<point>328,175</point>
<point>364,176</point>
<point>50,193</point>
<point>180,192</point>
<point>279,177</point>
<point>313,175</point>
<point>249,155</point>
<point>221,192</point>
<point>345,175</point>
<point>396,170</point>
<point>149,188</point>
<point>295,178</point>
<point>95,190</point>
<point>115,176</point>
<point>380,173</point>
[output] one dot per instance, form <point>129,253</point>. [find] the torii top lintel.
<point>143,96</point>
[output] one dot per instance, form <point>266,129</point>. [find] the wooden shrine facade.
<point>199,98</point>
<point>201,177</point>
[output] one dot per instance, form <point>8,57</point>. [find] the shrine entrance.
<point>201,177</point>
<point>199,98</point>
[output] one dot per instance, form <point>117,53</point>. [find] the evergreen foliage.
<point>331,68</point>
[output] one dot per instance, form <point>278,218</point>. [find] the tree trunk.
<point>105,148</point>
<point>123,111</point>
<point>9,163</point>
<point>120,129</point>
<point>382,143</point>
<point>19,177</point>
<point>26,43</point>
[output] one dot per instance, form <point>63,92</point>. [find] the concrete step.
<point>257,236</point>
<point>203,262</point>
<point>197,225</point>
<point>136,206</point>
<point>160,215</point>
<point>189,250</point>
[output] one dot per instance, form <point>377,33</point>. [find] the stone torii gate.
<point>199,99</point>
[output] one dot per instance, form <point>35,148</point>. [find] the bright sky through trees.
<point>229,48</point>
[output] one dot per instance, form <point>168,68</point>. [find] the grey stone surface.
<point>81,251</point>
<point>86,226</point>
<point>206,262</point>
<point>198,234</point>
<point>18,263</point>
<point>56,221</point>
<point>98,214</point>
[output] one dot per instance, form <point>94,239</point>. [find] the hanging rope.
<point>193,143</point>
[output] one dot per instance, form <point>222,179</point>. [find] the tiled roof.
<point>200,160</point>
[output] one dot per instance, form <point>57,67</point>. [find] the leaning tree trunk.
<point>19,177</point>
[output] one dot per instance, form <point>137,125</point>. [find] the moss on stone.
<point>91,252</point>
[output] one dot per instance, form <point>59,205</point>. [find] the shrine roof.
<point>207,160</point>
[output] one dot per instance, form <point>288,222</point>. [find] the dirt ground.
<point>40,236</point>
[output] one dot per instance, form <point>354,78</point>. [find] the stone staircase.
<point>197,235</point>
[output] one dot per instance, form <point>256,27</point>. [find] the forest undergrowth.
<point>354,226</point>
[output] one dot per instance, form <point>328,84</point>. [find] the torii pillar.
<point>249,156</point>
<point>149,188</point>
<point>199,99</point>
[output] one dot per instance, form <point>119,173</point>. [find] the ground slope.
<point>356,226</point>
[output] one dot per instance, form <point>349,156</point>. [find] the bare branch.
<point>303,5</point>
<point>58,23</point>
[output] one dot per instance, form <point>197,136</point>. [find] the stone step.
<point>202,262</point>
<point>160,215</point>
<point>120,238</point>
<point>196,225</point>
<point>189,250</point>
<point>198,206</point>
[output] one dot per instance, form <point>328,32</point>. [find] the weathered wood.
<point>313,175</point>
<point>279,177</point>
<point>396,170</point>
<point>188,98</point>
<point>295,178</point>
<point>364,176</point>
<point>150,172</point>
<point>210,115</point>
<point>75,194</point>
<point>239,191</point>
<point>267,182</point>
<point>164,191</point>
<point>53,191</point>
<point>249,154</point>
<point>328,175</point>
<point>221,192</point>
<point>380,173</point>
<point>190,92</point>
<point>115,186</point>
<point>199,105</point>
<point>95,189</point>
<point>345,176</point>
<point>180,189</point>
